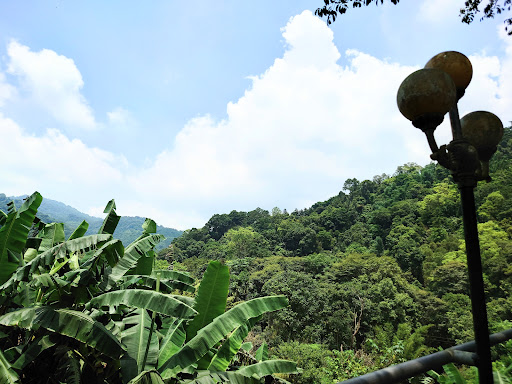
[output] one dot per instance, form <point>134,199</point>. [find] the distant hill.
<point>128,229</point>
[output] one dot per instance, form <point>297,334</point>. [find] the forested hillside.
<point>52,211</point>
<point>374,275</point>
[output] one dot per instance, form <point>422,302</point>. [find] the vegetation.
<point>127,230</point>
<point>87,309</point>
<point>374,276</point>
<point>371,277</point>
<point>468,11</point>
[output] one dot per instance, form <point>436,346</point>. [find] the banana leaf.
<point>172,342</point>
<point>147,377</point>
<point>138,337</point>
<point>145,263</point>
<point>232,377</point>
<point>7,375</point>
<point>148,227</point>
<point>211,297</point>
<point>268,367</point>
<point>69,365</point>
<point>132,254</point>
<point>166,286</point>
<point>217,330</point>
<point>14,234</point>
<point>166,274</point>
<point>46,259</point>
<point>80,230</point>
<point>110,223</point>
<point>144,299</point>
<point>51,235</point>
<point>231,346</point>
<point>262,352</point>
<point>76,325</point>
<point>111,251</point>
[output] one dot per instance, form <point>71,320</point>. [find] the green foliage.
<point>88,310</point>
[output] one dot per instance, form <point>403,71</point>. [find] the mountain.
<point>127,230</point>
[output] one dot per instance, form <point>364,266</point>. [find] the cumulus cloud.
<point>313,119</point>
<point>52,82</point>
<point>58,167</point>
<point>305,126</point>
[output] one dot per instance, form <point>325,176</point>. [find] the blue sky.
<point>180,110</point>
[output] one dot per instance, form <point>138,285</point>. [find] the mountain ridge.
<point>127,230</point>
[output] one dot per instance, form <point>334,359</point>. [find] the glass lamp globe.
<point>425,96</point>
<point>455,64</point>
<point>484,131</point>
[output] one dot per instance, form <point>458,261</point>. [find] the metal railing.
<point>463,354</point>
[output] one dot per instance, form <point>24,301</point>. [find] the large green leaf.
<point>231,346</point>
<point>110,223</point>
<point>166,274</point>
<point>172,342</point>
<point>132,254</point>
<point>14,233</point>
<point>232,377</point>
<point>262,352</point>
<point>145,263</point>
<point>3,217</point>
<point>141,298</point>
<point>217,330</point>
<point>211,297</point>
<point>69,323</point>
<point>7,375</point>
<point>45,260</point>
<point>51,235</point>
<point>111,251</point>
<point>80,230</point>
<point>148,227</point>
<point>147,377</point>
<point>136,337</point>
<point>268,367</point>
<point>166,286</point>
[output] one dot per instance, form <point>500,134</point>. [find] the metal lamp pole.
<point>425,97</point>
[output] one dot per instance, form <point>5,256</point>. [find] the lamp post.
<point>424,97</point>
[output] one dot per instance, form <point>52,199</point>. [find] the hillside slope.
<point>128,229</point>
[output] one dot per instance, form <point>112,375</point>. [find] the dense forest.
<point>52,211</point>
<point>374,276</point>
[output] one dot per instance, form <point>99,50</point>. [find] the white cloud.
<point>310,121</point>
<point>7,91</point>
<point>58,167</point>
<point>305,126</point>
<point>53,82</point>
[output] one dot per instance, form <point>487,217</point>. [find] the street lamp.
<point>425,97</point>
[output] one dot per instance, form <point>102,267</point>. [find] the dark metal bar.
<point>424,364</point>
<point>476,285</point>
<point>455,123</point>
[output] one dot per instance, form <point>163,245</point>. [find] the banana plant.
<point>207,345</point>
<point>87,307</point>
<point>14,233</point>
